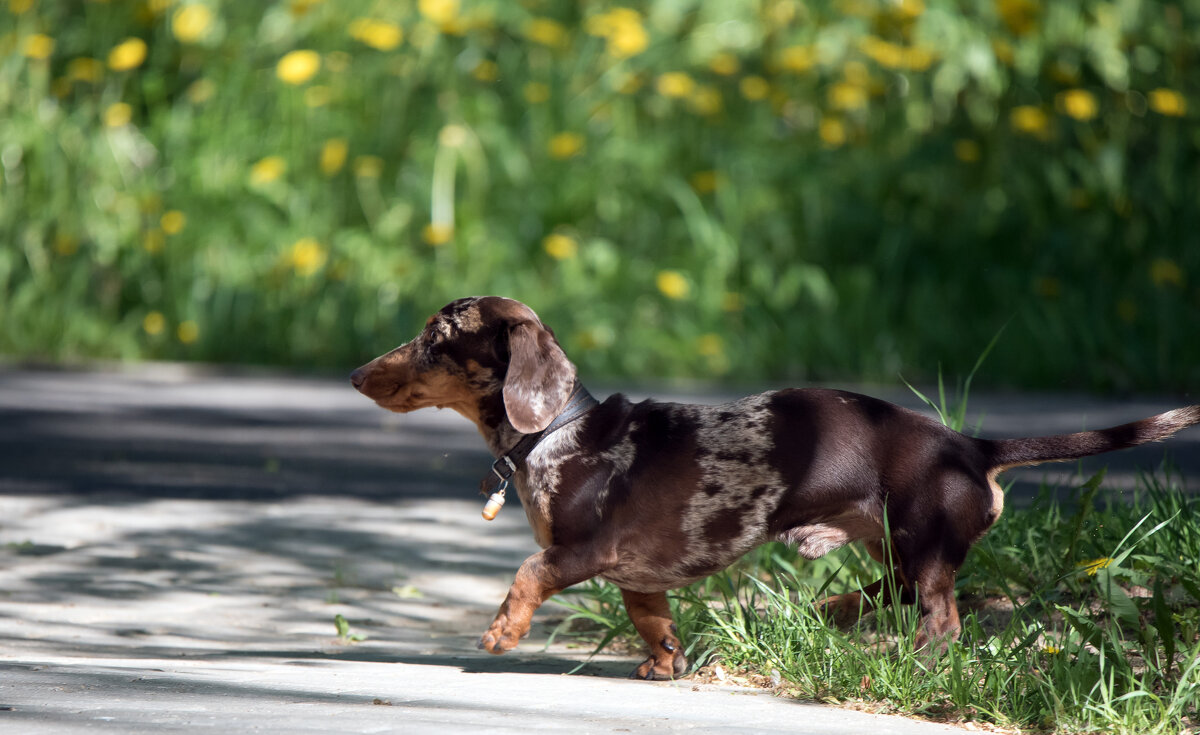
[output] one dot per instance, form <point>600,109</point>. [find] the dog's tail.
<point>1007,453</point>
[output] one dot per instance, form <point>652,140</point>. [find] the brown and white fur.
<point>652,496</point>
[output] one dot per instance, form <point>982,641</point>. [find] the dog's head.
<point>470,351</point>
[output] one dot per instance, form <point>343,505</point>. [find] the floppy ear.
<point>539,380</point>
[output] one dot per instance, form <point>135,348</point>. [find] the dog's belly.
<point>645,580</point>
<point>658,572</point>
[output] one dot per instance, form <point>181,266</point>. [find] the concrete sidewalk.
<point>175,546</point>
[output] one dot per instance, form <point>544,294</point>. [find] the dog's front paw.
<point>502,636</point>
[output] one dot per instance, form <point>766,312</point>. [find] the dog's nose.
<point>357,378</point>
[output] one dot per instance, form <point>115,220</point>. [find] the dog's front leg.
<point>651,615</point>
<point>542,576</point>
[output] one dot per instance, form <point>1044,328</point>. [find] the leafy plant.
<point>763,190</point>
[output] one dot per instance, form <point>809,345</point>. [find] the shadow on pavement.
<point>159,514</point>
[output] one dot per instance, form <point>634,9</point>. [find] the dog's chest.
<point>542,480</point>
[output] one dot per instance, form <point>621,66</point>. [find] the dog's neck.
<point>501,436</point>
<point>489,417</point>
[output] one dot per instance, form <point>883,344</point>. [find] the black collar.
<point>504,468</point>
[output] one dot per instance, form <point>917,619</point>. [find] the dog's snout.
<point>357,378</point>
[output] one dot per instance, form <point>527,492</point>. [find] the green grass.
<point>777,189</point>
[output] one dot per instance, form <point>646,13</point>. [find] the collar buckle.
<point>504,471</point>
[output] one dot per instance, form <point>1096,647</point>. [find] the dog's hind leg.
<point>846,608</point>
<point>651,616</point>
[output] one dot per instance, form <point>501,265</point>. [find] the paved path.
<point>175,546</point>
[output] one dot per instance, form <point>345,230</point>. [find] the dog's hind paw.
<point>672,665</point>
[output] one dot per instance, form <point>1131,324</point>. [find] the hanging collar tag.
<point>496,501</point>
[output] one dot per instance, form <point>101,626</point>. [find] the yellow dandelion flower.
<point>85,69</point>
<point>306,256</point>
<point>1167,102</point>
<point>1064,73</point>
<point>1003,51</point>
<point>705,182</point>
<point>1165,272</point>
<point>441,12</point>
<point>126,55</point>
<point>672,284</point>
<point>65,244</point>
<point>117,114</point>
<point>191,22</point>
<point>1019,15</point>
<point>545,31</point>
<point>153,241</point>
<point>38,46</point>
<point>797,59</point>
<point>602,24</point>
<point>1095,565</point>
<point>710,345</point>
<point>299,8</point>
<point>725,64</point>
<point>627,41</point>
<point>675,84</point>
<point>560,246</point>
<point>153,323</point>
<point>623,31</point>
<point>378,34</point>
<point>847,96</point>
<point>188,332</point>
<point>918,58</point>
<point>535,92</point>
<point>297,67</point>
<point>565,145</point>
<point>173,221</point>
<point>368,167</point>
<point>486,71</point>
<point>1030,120</point>
<point>754,88</point>
<point>19,7</point>
<point>1078,103</point>
<point>266,170</point>
<point>436,234</point>
<point>706,101</point>
<point>201,91</point>
<point>1051,649</point>
<point>333,155</point>
<point>967,151</point>
<point>832,132</point>
<point>885,53</point>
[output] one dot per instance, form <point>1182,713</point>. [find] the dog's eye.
<point>436,341</point>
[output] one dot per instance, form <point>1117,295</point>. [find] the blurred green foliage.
<point>759,189</point>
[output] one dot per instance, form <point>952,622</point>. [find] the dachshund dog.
<point>653,496</point>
